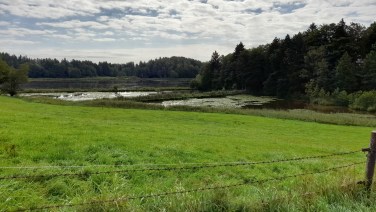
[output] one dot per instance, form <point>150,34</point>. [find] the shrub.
<point>340,98</point>
<point>365,101</point>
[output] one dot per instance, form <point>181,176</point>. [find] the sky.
<point>139,30</point>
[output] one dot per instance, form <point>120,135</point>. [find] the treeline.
<point>327,58</point>
<point>173,67</point>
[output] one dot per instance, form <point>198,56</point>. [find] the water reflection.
<point>236,101</point>
<point>84,96</point>
<point>252,102</point>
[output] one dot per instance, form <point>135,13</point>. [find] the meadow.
<point>52,136</point>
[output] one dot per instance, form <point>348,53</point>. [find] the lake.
<point>234,101</point>
<point>85,96</point>
<point>242,101</point>
<point>254,102</point>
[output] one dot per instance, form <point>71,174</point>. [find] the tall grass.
<point>181,95</point>
<point>35,134</point>
<point>351,119</point>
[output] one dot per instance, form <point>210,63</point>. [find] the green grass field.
<point>34,134</point>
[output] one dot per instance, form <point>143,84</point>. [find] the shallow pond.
<point>253,102</point>
<point>236,101</point>
<point>83,96</point>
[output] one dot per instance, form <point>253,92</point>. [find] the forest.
<point>329,64</point>
<point>173,67</point>
<point>321,61</point>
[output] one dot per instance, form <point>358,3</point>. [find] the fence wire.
<point>164,194</point>
<point>168,164</point>
<point>203,166</point>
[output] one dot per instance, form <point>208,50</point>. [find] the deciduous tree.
<point>11,78</point>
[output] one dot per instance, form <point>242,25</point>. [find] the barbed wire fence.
<point>182,164</point>
<point>371,158</point>
<point>178,167</point>
<point>164,194</point>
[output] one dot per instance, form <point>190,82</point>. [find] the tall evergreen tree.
<point>215,67</point>
<point>369,38</point>
<point>321,58</point>
<point>274,56</point>
<point>255,74</point>
<point>237,66</point>
<point>346,74</point>
<point>369,72</point>
<point>208,72</point>
<point>317,69</point>
<point>238,50</point>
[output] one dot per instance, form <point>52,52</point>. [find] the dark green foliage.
<point>346,74</point>
<point>11,78</point>
<point>341,98</point>
<point>238,50</point>
<point>4,71</point>
<point>214,68</point>
<point>318,68</point>
<point>360,100</point>
<point>365,101</point>
<point>320,59</point>
<point>206,79</point>
<point>209,77</point>
<point>255,73</point>
<point>369,38</point>
<point>369,72</point>
<point>173,67</point>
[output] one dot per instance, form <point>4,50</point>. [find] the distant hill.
<point>172,67</point>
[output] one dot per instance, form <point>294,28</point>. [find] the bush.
<point>11,78</point>
<point>318,95</point>
<point>340,98</point>
<point>365,101</point>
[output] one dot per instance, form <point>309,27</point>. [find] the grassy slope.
<point>72,135</point>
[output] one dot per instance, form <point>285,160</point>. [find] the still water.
<point>84,96</point>
<point>235,101</point>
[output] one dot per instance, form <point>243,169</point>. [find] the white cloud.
<point>4,23</point>
<point>22,32</point>
<point>108,33</point>
<point>104,39</point>
<point>48,9</point>
<point>6,42</point>
<point>73,24</point>
<point>61,36</point>
<point>116,55</point>
<point>217,23</point>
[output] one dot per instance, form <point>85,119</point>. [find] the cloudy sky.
<point>133,30</point>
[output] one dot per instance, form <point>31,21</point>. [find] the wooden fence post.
<point>371,157</point>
